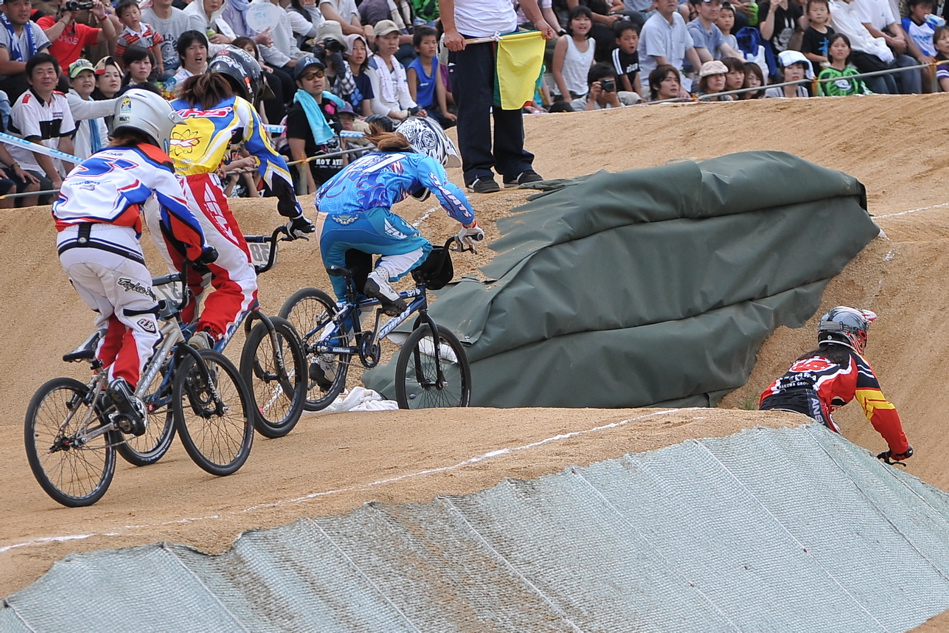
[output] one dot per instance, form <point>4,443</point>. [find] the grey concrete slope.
<point>765,530</point>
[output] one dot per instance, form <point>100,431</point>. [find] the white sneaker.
<point>378,287</point>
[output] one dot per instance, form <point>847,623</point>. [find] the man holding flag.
<point>476,68</point>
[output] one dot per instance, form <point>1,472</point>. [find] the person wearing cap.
<point>712,81</point>
<point>68,37</point>
<point>387,75</point>
<point>472,70</point>
<point>313,124</point>
<point>797,71</point>
<point>371,12</point>
<point>92,133</point>
<point>108,80</point>
<point>707,38</point>
<point>20,39</point>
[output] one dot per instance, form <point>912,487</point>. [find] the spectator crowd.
<point>331,65</point>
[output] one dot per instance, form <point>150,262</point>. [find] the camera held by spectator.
<point>78,5</point>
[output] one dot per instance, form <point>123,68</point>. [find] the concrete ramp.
<point>766,530</point>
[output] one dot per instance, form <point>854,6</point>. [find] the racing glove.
<point>299,227</point>
<point>208,256</point>
<point>888,456</point>
<point>470,234</point>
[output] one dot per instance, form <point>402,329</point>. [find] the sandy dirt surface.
<point>334,463</point>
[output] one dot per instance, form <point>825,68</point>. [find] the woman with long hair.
<point>218,114</point>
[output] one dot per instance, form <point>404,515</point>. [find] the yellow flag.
<point>520,57</point>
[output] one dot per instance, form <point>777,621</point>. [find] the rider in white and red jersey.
<point>98,218</point>
<point>829,377</point>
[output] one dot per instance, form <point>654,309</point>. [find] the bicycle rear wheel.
<point>213,417</point>
<point>310,312</point>
<point>72,471</point>
<point>418,383</point>
<point>277,385</point>
<point>148,448</point>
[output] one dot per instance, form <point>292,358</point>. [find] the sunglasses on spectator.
<point>314,74</point>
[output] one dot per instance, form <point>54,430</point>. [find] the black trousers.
<point>471,72</point>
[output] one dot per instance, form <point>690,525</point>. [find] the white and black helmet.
<point>427,137</point>
<point>845,326</point>
<point>146,112</point>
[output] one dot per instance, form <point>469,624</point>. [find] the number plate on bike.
<point>259,252</point>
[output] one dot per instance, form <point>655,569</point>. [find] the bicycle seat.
<point>339,271</point>
<point>86,351</point>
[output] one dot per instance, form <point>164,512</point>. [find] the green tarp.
<point>652,286</point>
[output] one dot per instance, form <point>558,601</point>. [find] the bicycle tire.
<point>72,476</point>
<point>416,372</point>
<point>310,312</point>
<point>217,440</point>
<point>277,393</point>
<point>150,447</point>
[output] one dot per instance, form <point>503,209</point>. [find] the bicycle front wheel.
<point>422,381</point>
<point>213,416</point>
<point>73,470</point>
<point>275,377</point>
<point>148,448</point>
<point>310,312</point>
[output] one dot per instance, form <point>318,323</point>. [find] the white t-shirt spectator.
<point>346,8</point>
<point>34,120</point>
<point>170,29</point>
<point>485,18</point>
<point>88,113</point>
<point>19,45</point>
<point>846,18</point>
<point>661,39</point>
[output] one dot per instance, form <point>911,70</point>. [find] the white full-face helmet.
<point>146,112</point>
<point>427,137</point>
<point>845,326</point>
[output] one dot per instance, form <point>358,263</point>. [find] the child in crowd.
<point>140,66</point>
<point>735,78</point>
<point>389,83</point>
<point>664,83</point>
<point>92,133</point>
<point>626,56</point>
<point>137,33</point>
<point>797,69</point>
<point>603,91</point>
<point>941,44</point>
<point>726,23</point>
<point>754,78</point>
<point>424,77</point>
<point>712,81</point>
<point>193,52</point>
<point>919,28</point>
<point>573,55</point>
<point>837,79</point>
<point>358,59</point>
<point>817,36</point>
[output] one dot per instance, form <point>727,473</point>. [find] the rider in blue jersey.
<point>354,207</point>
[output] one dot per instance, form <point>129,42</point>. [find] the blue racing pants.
<point>376,231</point>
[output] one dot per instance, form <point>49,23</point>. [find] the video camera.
<point>78,5</point>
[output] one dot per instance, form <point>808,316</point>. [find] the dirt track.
<point>331,464</point>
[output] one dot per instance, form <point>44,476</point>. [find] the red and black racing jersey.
<point>835,386</point>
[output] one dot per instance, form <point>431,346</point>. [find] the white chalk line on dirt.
<point>381,482</point>
<point>932,206</point>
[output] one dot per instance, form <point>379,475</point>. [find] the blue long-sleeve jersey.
<point>382,179</point>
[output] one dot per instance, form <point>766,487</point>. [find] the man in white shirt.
<point>471,68</point>
<point>346,13</point>
<point>42,116</point>
<point>869,53</point>
<point>666,40</point>
<point>877,17</point>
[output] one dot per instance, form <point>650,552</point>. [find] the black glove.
<point>299,227</point>
<point>208,256</point>
<point>890,457</point>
